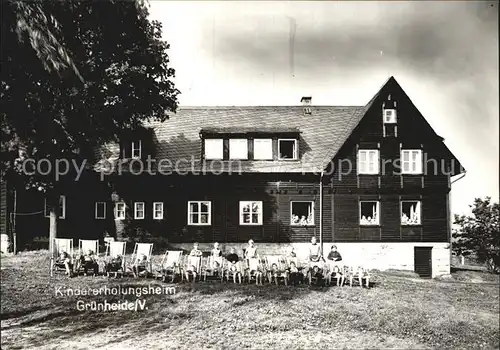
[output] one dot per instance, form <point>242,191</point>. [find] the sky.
<point>443,54</point>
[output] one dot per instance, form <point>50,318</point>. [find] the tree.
<point>479,234</point>
<point>113,75</point>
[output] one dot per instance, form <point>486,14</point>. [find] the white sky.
<point>444,55</point>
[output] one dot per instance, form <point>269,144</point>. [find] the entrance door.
<point>423,261</point>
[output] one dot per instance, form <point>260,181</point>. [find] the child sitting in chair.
<point>295,275</point>
<point>140,266</point>
<point>114,265</point>
<point>63,260</point>
<point>233,260</point>
<point>89,262</point>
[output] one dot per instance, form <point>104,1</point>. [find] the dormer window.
<point>238,149</point>
<point>390,116</point>
<point>287,149</point>
<point>214,149</point>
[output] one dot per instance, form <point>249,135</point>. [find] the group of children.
<point>257,271</point>
<point>87,261</point>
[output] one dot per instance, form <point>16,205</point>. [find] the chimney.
<point>306,102</point>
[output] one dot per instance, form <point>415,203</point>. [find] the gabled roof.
<point>322,133</point>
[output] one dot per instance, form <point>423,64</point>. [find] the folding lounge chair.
<point>57,264</point>
<point>300,274</point>
<point>213,267</point>
<point>314,276</point>
<point>86,247</point>
<point>141,249</point>
<point>275,269</point>
<point>192,267</point>
<point>171,265</point>
<point>335,270</point>
<point>116,249</point>
<point>254,270</point>
<point>358,274</point>
<point>233,271</point>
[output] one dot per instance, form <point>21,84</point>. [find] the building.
<point>374,179</point>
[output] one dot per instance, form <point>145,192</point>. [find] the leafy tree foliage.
<point>75,75</point>
<point>479,234</point>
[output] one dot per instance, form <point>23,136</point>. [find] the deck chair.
<point>213,267</point>
<point>335,270</point>
<point>141,267</point>
<point>254,270</point>
<point>358,273</point>
<point>170,265</point>
<point>275,269</point>
<point>317,272</point>
<point>192,267</point>
<point>62,246</point>
<point>233,271</point>
<point>299,277</point>
<point>114,251</point>
<point>88,248</point>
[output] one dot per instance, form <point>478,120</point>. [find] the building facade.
<point>374,179</point>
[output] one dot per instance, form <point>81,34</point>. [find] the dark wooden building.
<point>374,179</point>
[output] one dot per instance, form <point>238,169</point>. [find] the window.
<point>139,210</point>
<point>263,149</point>
<point>250,213</point>
<point>199,213</point>
<point>119,210</point>
<point>368,161</point>
<point>238,149</point>
<point>132,149</point>
<point>410,213</point>
<point>214,149</point>
<point>62,207</point>
<point>411,161</point>
<point>100,210</point>
<point>287,149</point>
<point>369,213</point>
<point>390,116</point>
<point>158,210</point>
<point>302,213</point>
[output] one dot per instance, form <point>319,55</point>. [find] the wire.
<point>34,213</point>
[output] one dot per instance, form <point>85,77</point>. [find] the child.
<point>292,253</point>
<point>195,251</point>
<point>233,268</point>
<point>273,273</point>
<point>63,260</point>
<point>294,273</point>
<point>251,251</point>
<point>140,266</point>
<point>89,262</point>
<point>216,252</point>
<point>114,265</point>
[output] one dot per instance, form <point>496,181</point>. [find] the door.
<point>423,261</point>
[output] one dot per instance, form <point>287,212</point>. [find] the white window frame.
<point>296,149</point>
<point>366,163</point>
<point>158,217</point>
<point>377,222</point>
<point>291,213</point>
<point>137,211</point>
<point>62,207</point>
<point>117,211</point>
<point>263,141</point>
<point>209,221</point>
<point>218,141</point>
<point>394,116</point>
<point>96,210</point>
<point>238,143</point>
<point>414,167</point>
<point>259,213</point>
<point>418,212</point>
<point>134,148</point>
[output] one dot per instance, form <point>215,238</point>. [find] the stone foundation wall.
<point>380,256</point>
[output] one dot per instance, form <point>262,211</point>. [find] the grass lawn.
<point>400,311</point>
